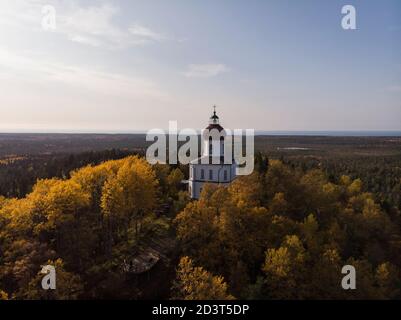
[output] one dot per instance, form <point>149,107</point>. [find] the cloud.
<point>145,34</point>
<point>97,82</point>
<point>20,13</point>
<point>205,70</point>
<point>91,25</point>
<point>96,25</point>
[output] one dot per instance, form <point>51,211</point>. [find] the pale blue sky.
<point>120,66</point>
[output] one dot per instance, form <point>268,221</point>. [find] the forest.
<point>116,227</point>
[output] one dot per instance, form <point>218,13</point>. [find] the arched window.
<point>202,174</point>
<point>210,146</point>
<point>222,145</point>
<point>225,175</point>
<point>210,174</point>
<point>193,173</point>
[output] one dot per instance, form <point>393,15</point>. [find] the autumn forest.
<point>116,227</point>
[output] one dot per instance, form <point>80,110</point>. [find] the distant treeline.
<point>381,176</point>
<point>19,174</point>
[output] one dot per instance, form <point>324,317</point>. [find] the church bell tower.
<point>210,167</point>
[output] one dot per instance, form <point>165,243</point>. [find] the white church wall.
<point>217,172</point>
<point>196,180</point>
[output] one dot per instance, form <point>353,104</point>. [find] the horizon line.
<point>371,133</point>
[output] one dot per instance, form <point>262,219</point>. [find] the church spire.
<point>214,119</point>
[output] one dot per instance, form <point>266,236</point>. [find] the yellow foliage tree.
<point>129,195</point>
<point>174,180</point>
<point>285,269</point>
<point>195,283</point>
<point>388,281</point>
<point>3,295</point>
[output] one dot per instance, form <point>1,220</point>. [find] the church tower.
<point>213,148</point>
<point>210,167</point>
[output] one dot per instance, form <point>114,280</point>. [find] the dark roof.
<point>214,126</point>
<point>214,116</point>
<point>152,251</point>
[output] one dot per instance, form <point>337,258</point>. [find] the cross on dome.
<point>214,119</point>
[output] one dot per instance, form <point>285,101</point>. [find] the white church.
<point>210,167</point>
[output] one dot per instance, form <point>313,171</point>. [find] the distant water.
<point>332,133</point>
<point>292,148</point>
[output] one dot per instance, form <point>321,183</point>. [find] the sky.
<point>126,66</point>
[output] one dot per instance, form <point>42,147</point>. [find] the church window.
<point>202,174</point>
<point>225,175</point>
<point>210,174</point>
<point>193,173</point>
